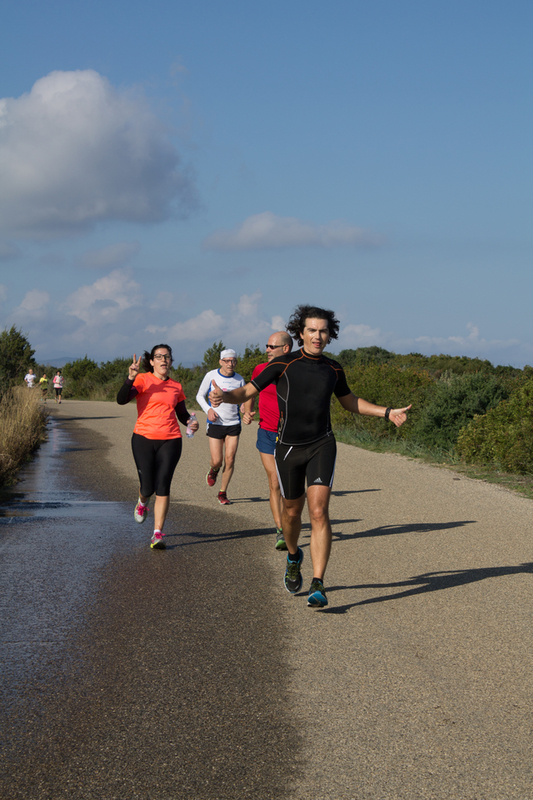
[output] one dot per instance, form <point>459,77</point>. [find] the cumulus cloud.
<point>75,151</point>
<point>206,325</point>
<point>114,255</point>
<point>104,301</point>
<point>267,230</point>
<point>35,300</point>
<point>241,325</point>
<point>465,345</point>
<point>353,336</point>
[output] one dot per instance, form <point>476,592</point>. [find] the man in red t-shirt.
<point>279,344</point>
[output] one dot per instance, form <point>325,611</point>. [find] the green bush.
<point>384,385</point>
<point>452,403</point>
<point>504,435</point>
<point>16,356</point>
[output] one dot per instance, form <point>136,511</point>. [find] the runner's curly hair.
<point>149,356</point>
<point>296,323</point>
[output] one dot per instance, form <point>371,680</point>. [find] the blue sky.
<point>189,172</point>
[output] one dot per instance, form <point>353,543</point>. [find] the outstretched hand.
<point>215,395</point>
<point>134,367</point>
<point>399,415</point>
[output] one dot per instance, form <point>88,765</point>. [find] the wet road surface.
<point>131,673</point>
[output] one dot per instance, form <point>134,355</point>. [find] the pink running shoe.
<point>141,512</point>
<point>157,541</point>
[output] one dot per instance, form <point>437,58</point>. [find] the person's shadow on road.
<point>428,582</point>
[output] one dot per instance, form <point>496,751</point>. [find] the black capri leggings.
<point>156,460</point>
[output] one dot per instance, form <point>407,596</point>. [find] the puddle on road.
<point>43,489</point>
<point>54,541</point>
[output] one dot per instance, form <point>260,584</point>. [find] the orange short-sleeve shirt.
<point>156,404</point>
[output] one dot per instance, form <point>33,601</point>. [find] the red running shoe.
<point>223,500</point>
<point>211,477</point>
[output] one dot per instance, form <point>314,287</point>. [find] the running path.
<point>416,681</point>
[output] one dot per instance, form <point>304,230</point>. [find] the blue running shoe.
<point>293,577</point>
<point>317,595</point>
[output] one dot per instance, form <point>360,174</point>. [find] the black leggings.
<point>156,460</point>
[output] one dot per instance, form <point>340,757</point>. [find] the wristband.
<point>387,413</point>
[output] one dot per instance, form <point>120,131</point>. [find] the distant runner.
<point>279,344</point>
<point>156,440</point>
<point>306,448</point>
<point>58,382</point>
<point>224,425</point>
<point>30,378</point>
<point>43,385</point>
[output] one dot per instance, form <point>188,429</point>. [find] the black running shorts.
<point>314,462</point>
<point>221,431</point>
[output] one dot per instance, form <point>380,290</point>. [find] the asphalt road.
<point>191,673</point>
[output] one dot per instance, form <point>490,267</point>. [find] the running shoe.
<point>141,512</point>
<point>223,500</point>
<point>280,540</point>
<point>157,541</point>
<point>211,477</point>
<point>293,577</point>
<point>317,595</point>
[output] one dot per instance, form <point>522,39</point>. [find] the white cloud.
<point>353,336</point>
<point>267,230</point>
<point>241,325</point>
<point>35,300</point>
<point>104,301</point>
<point>76,151</point>
<point>206,325</point>
<point>472,345</point>
<point>277,323</point>
<point>113,255</point>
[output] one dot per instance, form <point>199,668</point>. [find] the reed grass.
<point>22,429</point>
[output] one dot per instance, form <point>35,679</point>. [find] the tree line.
<point>463,407</point>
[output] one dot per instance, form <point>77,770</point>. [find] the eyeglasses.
<point>159,357</point>
<point>273,346</point>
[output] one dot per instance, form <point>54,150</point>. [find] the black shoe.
<point>293,577</point>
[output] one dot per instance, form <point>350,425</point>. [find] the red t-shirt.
<point>268,403</point>
<point>156,404</point>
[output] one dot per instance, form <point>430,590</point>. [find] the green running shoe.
<point>280,540</point>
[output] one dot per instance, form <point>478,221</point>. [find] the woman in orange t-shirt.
<point>156,440</point>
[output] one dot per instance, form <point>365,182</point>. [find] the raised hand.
<point>133,368</point>
<point>399,415</point>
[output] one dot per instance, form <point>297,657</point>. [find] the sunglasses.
<point>273,346</point>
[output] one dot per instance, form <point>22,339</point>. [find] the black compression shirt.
<point>304,387</point>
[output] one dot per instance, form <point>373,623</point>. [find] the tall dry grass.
<point>22,429</point>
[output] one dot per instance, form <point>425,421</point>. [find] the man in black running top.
<point>306,448</point>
